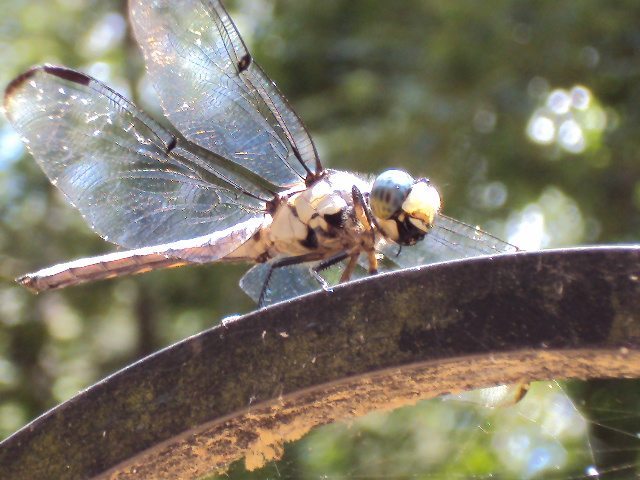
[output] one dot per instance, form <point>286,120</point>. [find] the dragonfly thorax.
<point>317,220</point>
<point>404,208</point>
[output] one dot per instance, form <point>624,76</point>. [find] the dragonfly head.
<point>404,208</point>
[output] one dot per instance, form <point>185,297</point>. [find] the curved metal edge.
<point>258,433</point>
<point>197,401</point>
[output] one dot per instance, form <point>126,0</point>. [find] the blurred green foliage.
<point>448,90</point>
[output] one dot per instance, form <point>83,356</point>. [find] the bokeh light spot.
<point>553,220</point>
<point>559,102</point>
<point>571,119</point>
<point>542,129</point>
<point>570,136</point>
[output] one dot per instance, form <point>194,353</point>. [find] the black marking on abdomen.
<point>311,242</point>
<point>244,63</point>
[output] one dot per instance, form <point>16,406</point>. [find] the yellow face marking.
<point>423,203</point>
<point>420,224</point>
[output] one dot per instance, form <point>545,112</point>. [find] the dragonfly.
<point>234,177</point>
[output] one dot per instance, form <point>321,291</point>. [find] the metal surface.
<point>243,388</point>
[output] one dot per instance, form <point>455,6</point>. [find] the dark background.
<point>525,114</point>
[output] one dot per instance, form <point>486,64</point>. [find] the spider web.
<point>574,430</point>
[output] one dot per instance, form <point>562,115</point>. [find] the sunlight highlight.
<point>553,220</point>
<point>571,119</point>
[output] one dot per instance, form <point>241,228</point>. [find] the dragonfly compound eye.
<point>388,193</point>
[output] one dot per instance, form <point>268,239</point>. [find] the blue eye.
<point>389,191</point>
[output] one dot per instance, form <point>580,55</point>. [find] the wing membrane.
<point>449,239</point>
<point>134,182</point>
<point>213,92</point>
<point>285,283</point>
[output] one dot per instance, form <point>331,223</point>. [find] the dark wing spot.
<point>172,144</point>
<point>61,72</point>
<point>244,63</point>
<point>68,74</point>
<point>337,219</point>
<point>311,242</point>
<point>16,82</point>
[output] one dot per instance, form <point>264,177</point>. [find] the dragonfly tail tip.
<point>29,282</point>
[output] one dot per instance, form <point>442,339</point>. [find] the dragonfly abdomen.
<point>96,268</point>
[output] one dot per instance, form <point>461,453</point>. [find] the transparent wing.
<point>213,92</point>
<point>290,281</point>
<point>133,181</point>
<point>449,239</point>
<point>285,282</point>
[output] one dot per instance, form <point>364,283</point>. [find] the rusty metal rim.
<point>243,388</point>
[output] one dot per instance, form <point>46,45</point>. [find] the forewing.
<point>449,239</point>
<point>123,172</point>
<point>213,92</point>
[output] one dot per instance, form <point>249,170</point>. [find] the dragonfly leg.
<point>363,211</point>
<point>348,271</point>
<point>329,262</point>
<point>365,217</point>
<point>284,262</point>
